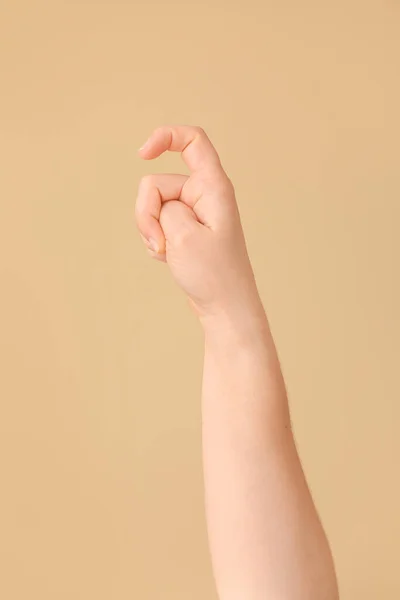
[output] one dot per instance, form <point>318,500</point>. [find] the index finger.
<point>195,146</point>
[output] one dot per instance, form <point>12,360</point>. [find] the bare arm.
<point>266,540</point>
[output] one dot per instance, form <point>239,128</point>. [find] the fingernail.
<point>153,245</point>
<point>142,147</point>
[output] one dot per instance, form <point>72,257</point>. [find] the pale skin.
<point>266,539</point>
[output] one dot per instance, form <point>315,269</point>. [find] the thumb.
<point>179,222</point>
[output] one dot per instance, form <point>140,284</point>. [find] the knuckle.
<point>226,182</point>
<point>199,131</point>
<point>229,184</point>
<point>146,182</point>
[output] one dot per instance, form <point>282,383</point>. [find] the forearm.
<point>265,537</point>
<point>266,540</point>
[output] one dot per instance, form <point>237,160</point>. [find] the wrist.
<point>236,324</point>
<point>240,343</point>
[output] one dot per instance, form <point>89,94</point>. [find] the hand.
<point>192,223</point>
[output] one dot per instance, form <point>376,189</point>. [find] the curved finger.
<point>153,191</point>
<point>161,257</point>
<point>195,146</point>
<point>157,256</point>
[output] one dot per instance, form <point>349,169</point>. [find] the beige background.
<point>101,487</point>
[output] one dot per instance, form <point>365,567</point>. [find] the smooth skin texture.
<point>266,539</point>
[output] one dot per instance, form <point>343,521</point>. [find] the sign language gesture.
<point>266,539</point>
<point>192,223</point>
